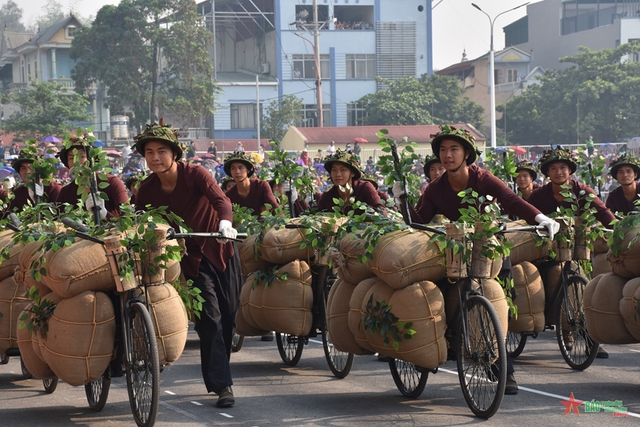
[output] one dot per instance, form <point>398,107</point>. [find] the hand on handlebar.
<point>99,204</point>
<point>552,226</point>
<point>226,229</point>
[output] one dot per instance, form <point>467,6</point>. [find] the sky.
<point>457,25</point>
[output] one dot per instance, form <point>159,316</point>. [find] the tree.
<point>46,109</point>
<point>428,100</point>
<point>11,17</point>
<point>53,13</point>
<point>279,116</point>
<point>598,96</point>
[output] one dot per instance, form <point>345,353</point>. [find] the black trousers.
<point>217,322</point>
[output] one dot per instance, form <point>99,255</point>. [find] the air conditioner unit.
<point>264,68</point>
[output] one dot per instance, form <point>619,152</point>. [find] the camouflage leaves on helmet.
<point>554,155</point>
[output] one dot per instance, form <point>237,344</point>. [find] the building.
<point>44,56</point>
<point>264,50</point>
<point>553,29</point>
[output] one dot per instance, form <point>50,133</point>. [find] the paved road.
<point>268,393</point>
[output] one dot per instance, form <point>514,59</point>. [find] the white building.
<point>274,40</point>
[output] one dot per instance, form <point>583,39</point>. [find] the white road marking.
<point>170,392</point>
<point>185,413</point>
<point>315,341</point>
<point>226,415</point>
<point>196,403</point>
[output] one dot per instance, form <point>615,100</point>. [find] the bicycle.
<point>564,309</point>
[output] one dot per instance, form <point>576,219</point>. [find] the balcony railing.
<point>65,83</point>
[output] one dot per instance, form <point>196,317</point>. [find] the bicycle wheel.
<point>339,362</point>
<point>4,359</point>
<point>515,343</point>
<point>237,342</point>
<point>25,372</point>
<point>98,391</point>
<point>290,348</point>
<point>50,385</point>
<point>482,368</point>
<point>409,379</point>
<point>143,370</point>
<point>576,346</point>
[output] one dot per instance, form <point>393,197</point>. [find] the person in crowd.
<point>14,150</point>
<point>31,191</point>
<point>191,151</point>
<point>132,183</point>
<point>304,156</point>
<point>299,205</point>
<point>527,174</point>
<point>227,184</point>
<point>590,146</point>
<point>356,148</point>
<point>558,165</point>
<point>331,148</point>
<point>456,150</point>
<point>190,192</point>
<point>239,147</point>
<point>126,153</point>
<point>432,170</point>
<point>132,166</point>
<point>345,174</point>
<point>75,153</point>
<point>213,149</point>
<point>384,196</point>
<point>318,158</point>
<point>625,170</point>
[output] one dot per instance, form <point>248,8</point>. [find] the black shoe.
<point>225,398</point>
<point>267,337</point>
<point>512,385</point>
<point>602,353</point>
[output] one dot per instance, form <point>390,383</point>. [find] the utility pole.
<point>316,53</point>
<point>258,107</point>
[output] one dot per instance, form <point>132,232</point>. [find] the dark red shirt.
<point>115,191</point>
<point>259,194</point>
<point>199,201</point>
<point>21,195</point>
<point>440,198</point>
<point>616,202</point>
<point>363,191</point>
<point>543,199</point>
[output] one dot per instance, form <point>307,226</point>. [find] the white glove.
<point>226,229</point>
<point>397,190</point>
<point>39,192</point>
<point>552,226</point>
<point>294,193</point>
<point>99,203</point>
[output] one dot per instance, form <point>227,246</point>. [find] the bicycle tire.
<point>143,370</point>
<point>237,342</point>
<point>50,385</point>
<point>4,359</point>
<point>483,370</point>
<point>290,348</point>
<point>25,372</point>
<point>339,362</point>
<point>515,343</point>
<point>97,391</point>
<point>576,346</point>
<point>409,379</point>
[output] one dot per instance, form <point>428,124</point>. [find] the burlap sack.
<point>250,260</point>
<point>351,269</point>
<point>281,246</point>
<point>8,266</point>
<point>402,258</point>
<point>23,272</point>
<point>422,304</point>
<point>169,317</point>
<point>12,302</point>
<point>355,304</point>
<point>244,323</point>
<point>338,318</point>
<point>524,245</point>
<point>600,264</point>
<point>604,322</point>
<point>600,246</point>
<point>30,352</point>
<point>80,340</point>
<point>529,299</point>
<point>81,267</point>
<point>287,304</point>
<point>630,306</point>
<point>491,289</point>
<point>627,263</point>
<point>255,305</point>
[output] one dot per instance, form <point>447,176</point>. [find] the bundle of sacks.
<point>79,342</point>
<point>530,297</point>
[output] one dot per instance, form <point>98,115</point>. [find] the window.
<point>71,31</point>
<point>361,66</point>
<point>355,115</point>
<point>498,76</point>
<point>304,66</point>
<point>512,76</point>
<point>243,116</point>
<point>310,115</point>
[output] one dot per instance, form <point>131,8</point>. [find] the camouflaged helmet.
<point>554,155</point>
<point>74,142</point>
<point>225,182</point>
<point>526,165</point>
<point>23,157</point>
<point>616,164</point>
<point>461,135</point>
<point>161,133</point>
<point>240,157</point>
<point>428,161</point>
<point>133,178</point>
<point>372,179</point>
<point>346,158</point>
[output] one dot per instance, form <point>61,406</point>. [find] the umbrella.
<point>50,138</point>
<point>6,171</point>
<point>257,157</point>
<point>98,144</point>
<point>196,159</point>
<point>208,156</point>
<point>634,142</point>
<point>500,149</point>
<point>518,150</point>
<point>607,147</point>
<point>319,167</point>
<point>114,153</point>
<point>359,140</point>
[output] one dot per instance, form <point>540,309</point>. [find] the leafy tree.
<point>53,13</point>
<point>597,96</point>
<point>427,100</point>
<point>279,116</point>
<point>11,17</point>
<point>46,109</point>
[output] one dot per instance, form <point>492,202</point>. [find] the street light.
<point>492,79</point>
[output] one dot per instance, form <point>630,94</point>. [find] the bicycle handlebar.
<point>81,230</point>
<point>15,222</point>
<point>426,228</point>
<point>171,234</point>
